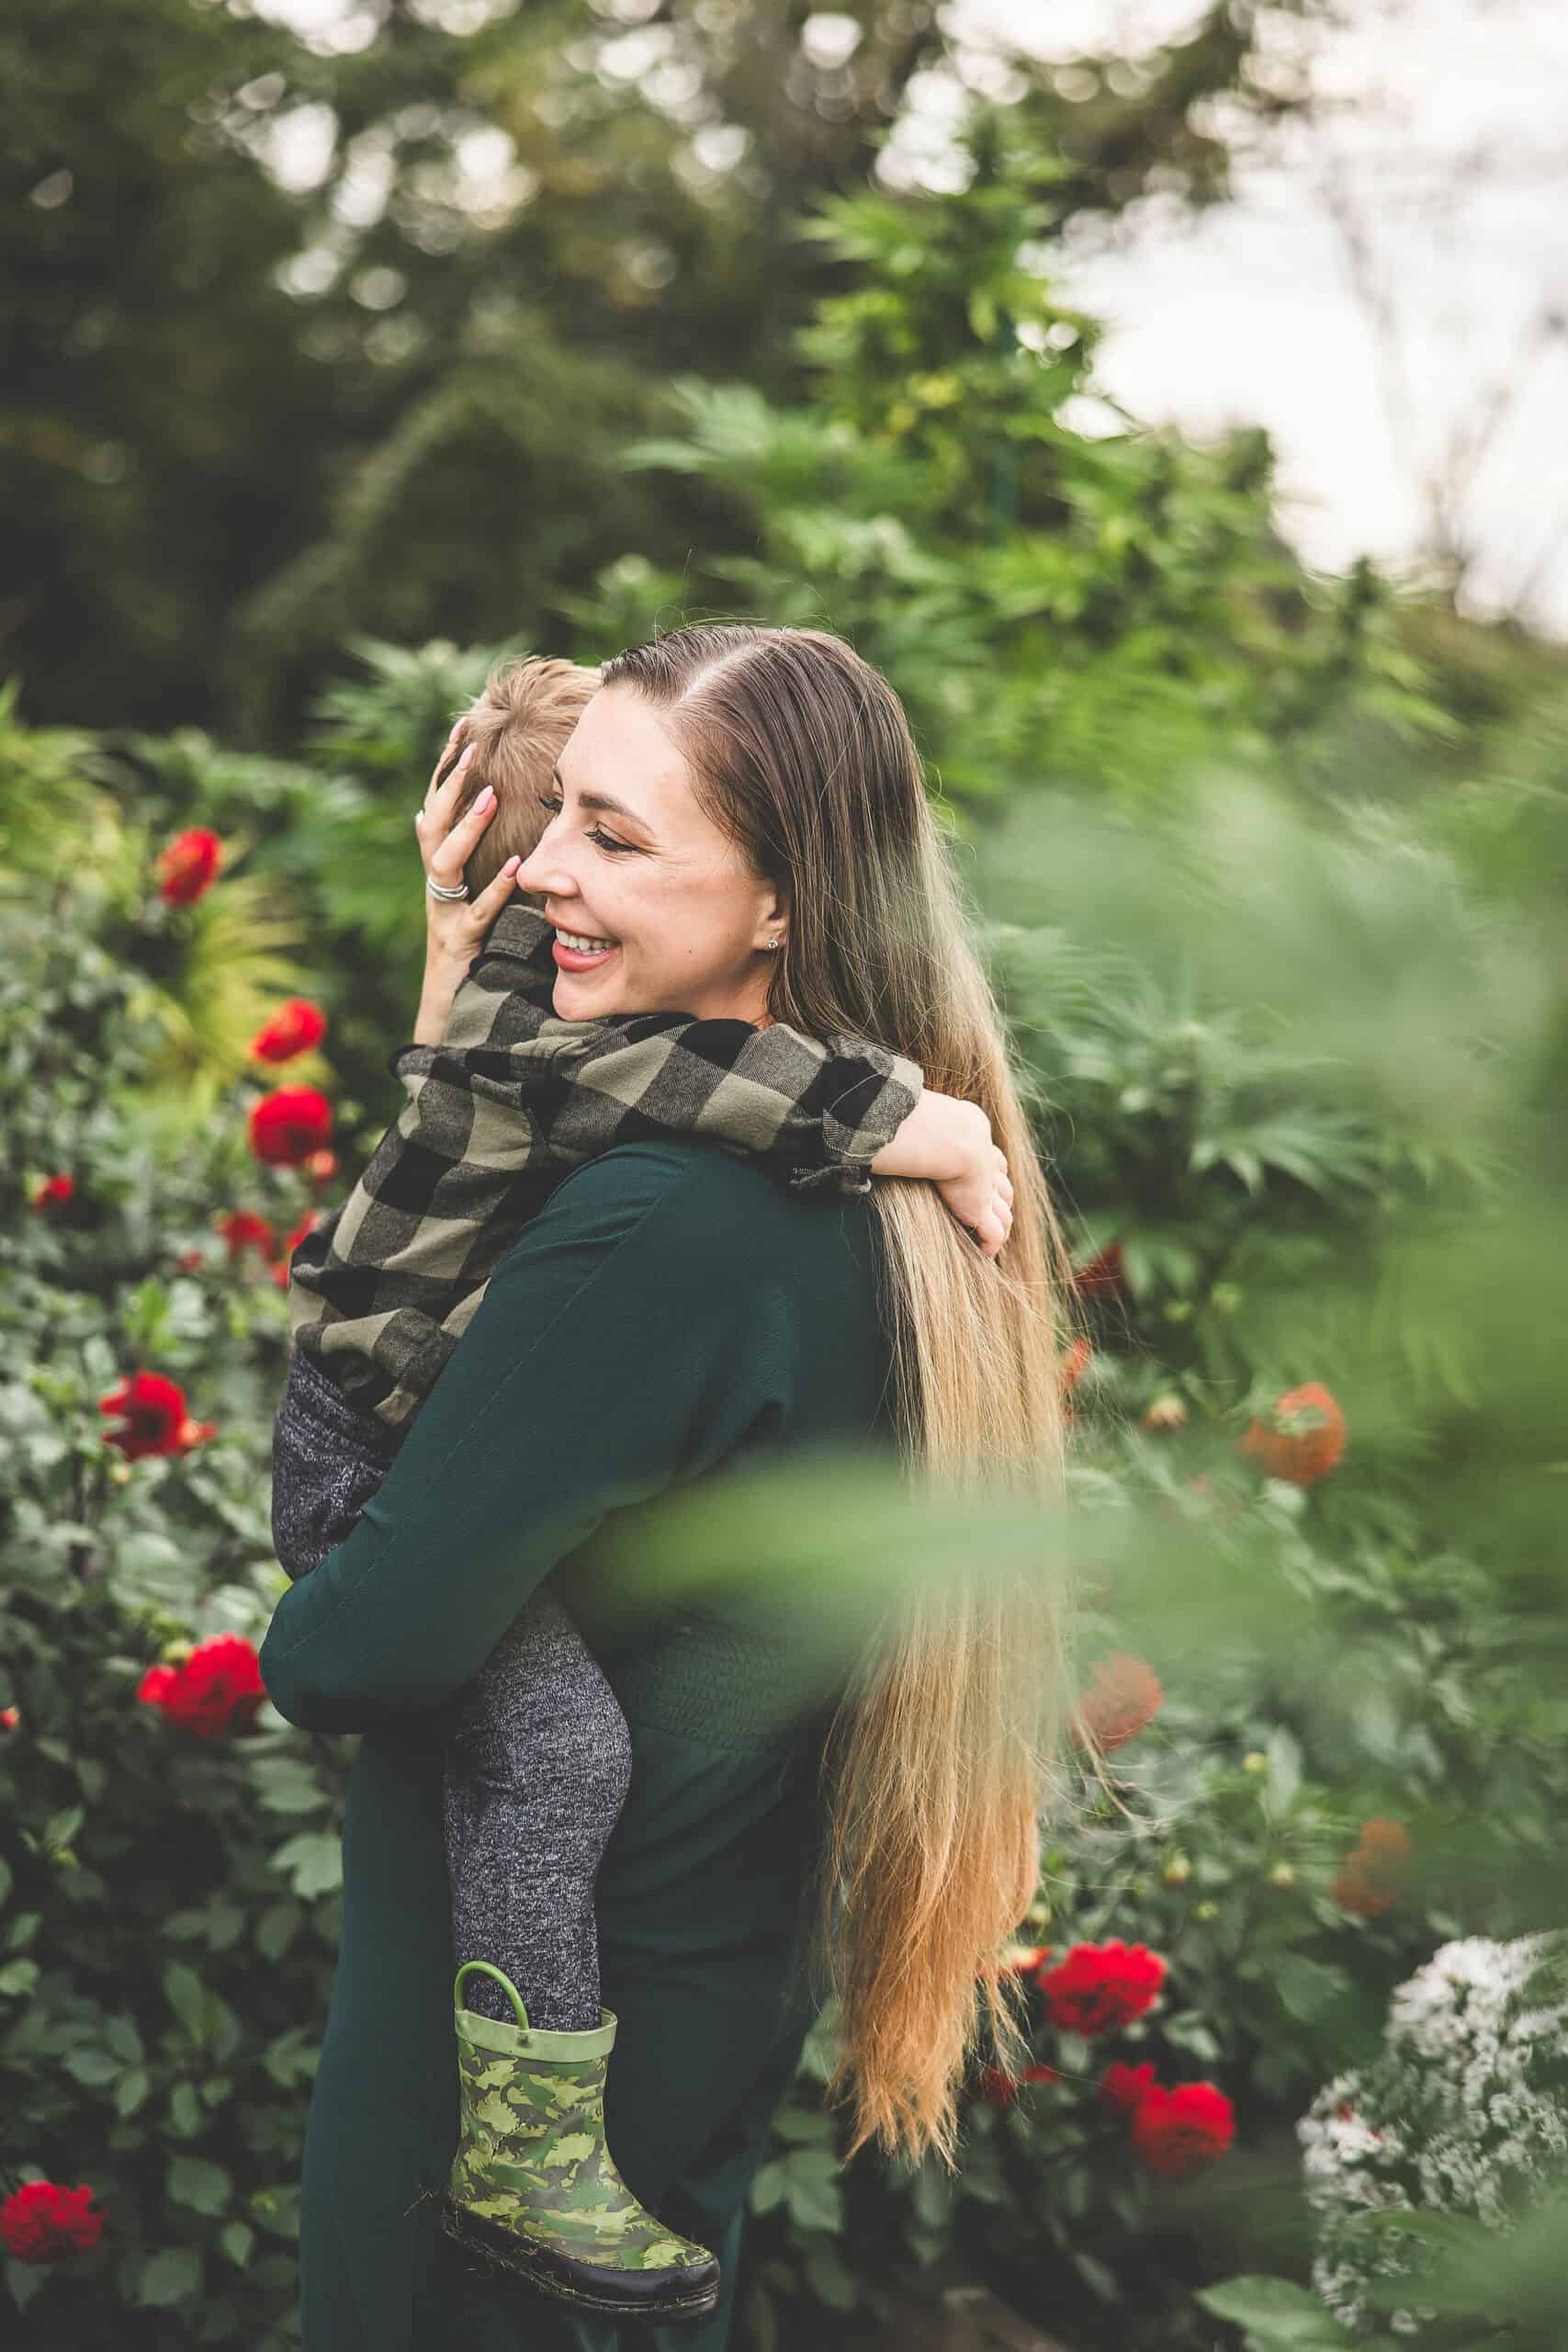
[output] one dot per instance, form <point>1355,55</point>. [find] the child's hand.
<point>454,928</point>
<point>949,1141</point>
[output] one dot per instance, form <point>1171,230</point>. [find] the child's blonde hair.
<point>519,726</point>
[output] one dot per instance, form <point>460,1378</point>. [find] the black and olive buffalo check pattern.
<point>382,1289</point>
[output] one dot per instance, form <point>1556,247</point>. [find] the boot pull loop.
<point>507,1986</point>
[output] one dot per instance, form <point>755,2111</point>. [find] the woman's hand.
<point>949,1141</point>
<point>454,928</point>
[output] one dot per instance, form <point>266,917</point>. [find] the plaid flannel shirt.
<point>380,1292</point>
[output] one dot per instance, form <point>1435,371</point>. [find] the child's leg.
<point>537,1765</point>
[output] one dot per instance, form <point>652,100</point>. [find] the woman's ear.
<point>774,915</point>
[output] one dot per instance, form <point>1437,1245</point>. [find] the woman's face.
<point>627,856</point>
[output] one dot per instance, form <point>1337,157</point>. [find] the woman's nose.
<point>545,873</point>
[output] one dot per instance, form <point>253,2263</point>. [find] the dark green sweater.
<point>673,1309</point>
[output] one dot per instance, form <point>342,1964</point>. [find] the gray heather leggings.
<point>539,1756</point>
<point>537,1764</point>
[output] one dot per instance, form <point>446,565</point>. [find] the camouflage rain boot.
<point>534,2189</point>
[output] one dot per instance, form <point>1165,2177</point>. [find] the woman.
<point>671,1312</point>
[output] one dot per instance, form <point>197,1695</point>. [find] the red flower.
<point>1078,1355</point>
<point>1302,1439</point>
<point>189,1261</point>
<point>1124,1696</point>
<point>53,1193</point>
<point>1099,1987</point>
<point>1124,2090</point>
<point>1000,2089</point>
<point>287,1125</point>
<point>156,1420</point>
<point>10,1717</point>
<point>308,1224</point>
<point>242,1229</point>
<point>1178,2132</point>
<point>294,1028</point>
<point>1374,1873</point>
<point>188,866</point>
<point>218,1688</point>
<point>43,2223</point>
<point>1105,1271</point>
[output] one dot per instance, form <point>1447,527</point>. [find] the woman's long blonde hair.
<point>943,1756</point>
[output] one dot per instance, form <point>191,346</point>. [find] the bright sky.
<point>1446,146</point>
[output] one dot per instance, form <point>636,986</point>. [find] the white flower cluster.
<point>1464,2110</point>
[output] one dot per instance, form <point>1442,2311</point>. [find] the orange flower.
<point>1104,1271</point>
<point>1376,1871</point>
<point>1302,1438</point>
<point>188,865</point>
<point>307,1224</point>
<point>1124,1696</point>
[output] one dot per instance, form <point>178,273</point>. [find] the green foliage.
<point>386,396</point>
<point>166,1908</point>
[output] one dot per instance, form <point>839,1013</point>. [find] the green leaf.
<point>767,2187</point>
<point>94,2067</point>
<point>1275,2312</point>
<point>24,2279</point>
<point>123,2038</point>
<point>184,2114</point>
<point>205,2187</point>
<point>236,2241</point>
<point>314,1861</point>
<point>829,2275</point>
<point>19,1976</point>
<point>172,2277</point>
<point>131,2091</point>
<point>187,1998</point>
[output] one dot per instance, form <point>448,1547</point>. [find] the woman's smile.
<point>579,951</point>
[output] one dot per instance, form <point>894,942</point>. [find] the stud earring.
<point>773,943</point>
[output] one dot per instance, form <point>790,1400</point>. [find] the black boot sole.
<point>560,2275</point>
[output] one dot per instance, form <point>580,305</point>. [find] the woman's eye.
<point>606,841</point>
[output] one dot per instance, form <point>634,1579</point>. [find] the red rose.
<point>287,1125</point>
<point>242,1229</point>
<point>1302,1439</point>
<point>43,2223</point>
<point>1099,1987</point>
<point>53,1193</point>
<point>218,1688</point>
<point>188,867</point>
<point>1374,1873</point>
<point>1000,2089</point>
<point>1124,1696</point>
<point>1178,2132</point>
<point>294,1028</point>
<point>153,1410</point>
<point>1124,2090</point>
<point>10,1717</point>
<point>1106,1271</point>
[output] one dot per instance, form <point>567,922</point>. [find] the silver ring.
<point>436,891</point>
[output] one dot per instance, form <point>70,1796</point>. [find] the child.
<point>537,1756</point>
